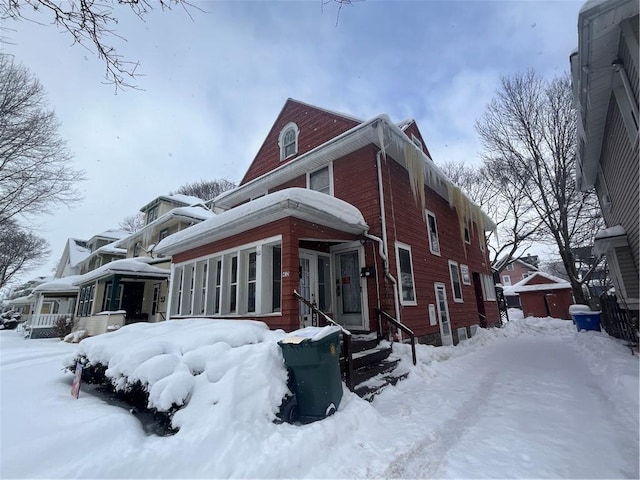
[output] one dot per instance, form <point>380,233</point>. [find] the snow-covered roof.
<point>77,252</point>
<point>25,300</point>
<point>525,284</point>
<point>405,123</point>
<point>176,198</point>
<point>138,266</point>
<point>609,238</point>
<point>64,284</point>
<point>114,233</point>
<point>616,231</point>
<point>194,213</point>
<point>301,203</point>
<point>379,131</point>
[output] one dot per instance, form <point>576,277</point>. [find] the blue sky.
<point>213,85</point>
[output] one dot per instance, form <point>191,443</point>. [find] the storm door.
<point>443,314</point>
<point>350,295</point>
<point>315,285</point>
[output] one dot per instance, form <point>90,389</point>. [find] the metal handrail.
<point>346,338</point>
<point>384,315</point>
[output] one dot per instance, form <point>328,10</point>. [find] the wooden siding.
<point>628,272</point>
<point>316,127</point>
<point>292,230</point>
<point>356,182</point>
<point>620,165</point>
<point>406,224</point>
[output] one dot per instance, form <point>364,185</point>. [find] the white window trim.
<point>453,289</point>
<point>409,303</point>
<point>242,252</point>
<point>488,288</point>
<point>435,222</point>
<point>330,167</point>
<point>506,280</point>
<point>285,129</point>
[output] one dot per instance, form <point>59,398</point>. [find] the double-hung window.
<point>432,231</point>
<point>405,274</point>
<point>456,285</point>
<point>321,180</point>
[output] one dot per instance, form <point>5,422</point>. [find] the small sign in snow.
<point>75,385</point>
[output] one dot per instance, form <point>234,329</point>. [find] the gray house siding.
<point>620,168</point>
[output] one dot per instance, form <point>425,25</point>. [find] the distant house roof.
<point>530,283</point>
<point>195,213</point>
<point>175,198</point>
<point>59,285</point>
<point>112,234</point>
<point>77,251</point>
<point>24,300</point>
<point>302,203</point>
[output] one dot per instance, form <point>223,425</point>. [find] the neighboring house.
<point>54,300</point>
<point>21,299</point>
<point>354,216</point>
<point>102,250</point>
<point>543,295</point>
<point>75,251</point>
<point>134,288</point>
<point>605,81</point>
<point>518,269</point>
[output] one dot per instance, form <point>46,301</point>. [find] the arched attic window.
<point>288,141</point>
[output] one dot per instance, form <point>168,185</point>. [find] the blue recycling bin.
<point>587,320</point>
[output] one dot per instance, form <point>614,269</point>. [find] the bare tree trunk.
<point>529,136</point>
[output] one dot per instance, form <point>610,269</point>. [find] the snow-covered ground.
<point>533,399</point>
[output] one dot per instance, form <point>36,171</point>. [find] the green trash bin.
<point>312,357</point>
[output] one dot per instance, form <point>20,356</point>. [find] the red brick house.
<point>352,214</point>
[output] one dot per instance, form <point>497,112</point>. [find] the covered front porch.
<point>122,292</point>
<point>54,301</point>
<point>248,262</point>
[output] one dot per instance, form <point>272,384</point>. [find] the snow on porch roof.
<point>301,203</point>
<point>64,284</point>
<point>138,267</point>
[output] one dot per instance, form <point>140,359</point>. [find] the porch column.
<point>38,309</point>
<point>113,300</point>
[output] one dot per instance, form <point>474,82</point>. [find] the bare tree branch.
<point>91,23</point>
<point>529,134</point>
<point>36,174</point>
<point>19,251</point>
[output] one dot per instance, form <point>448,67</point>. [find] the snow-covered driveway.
<point>535,399</point>
<point>531,408</point>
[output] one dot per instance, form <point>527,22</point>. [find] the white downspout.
<point>384,244</point>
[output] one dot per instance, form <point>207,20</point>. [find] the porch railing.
<point>346,338</point>
<point>43,322</point>
<point>382,315</point>
<point>47,320</point>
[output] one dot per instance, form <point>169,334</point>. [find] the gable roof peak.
<point>331,112</point>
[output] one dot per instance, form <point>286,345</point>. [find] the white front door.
<point>351,301</point>
<point>443,314</point>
